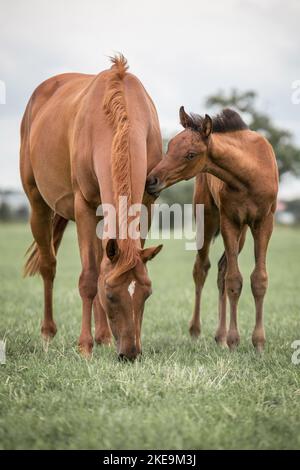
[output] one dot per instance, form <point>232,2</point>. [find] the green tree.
<point>287,154</point>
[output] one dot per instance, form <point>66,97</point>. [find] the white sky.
<point>182,51</point>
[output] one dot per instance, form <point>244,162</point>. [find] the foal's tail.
<point>32,265</point>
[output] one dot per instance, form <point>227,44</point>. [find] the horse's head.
<point>186,155</point>
<point>123,297</point>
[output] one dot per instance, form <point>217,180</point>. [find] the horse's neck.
<point>227,160</point>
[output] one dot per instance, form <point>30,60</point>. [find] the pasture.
<point>182,394</point>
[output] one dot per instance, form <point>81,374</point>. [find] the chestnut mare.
<point>87,140</point>
<point>237,181</point>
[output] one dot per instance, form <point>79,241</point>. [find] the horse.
<point>237,181</point>
<point>88,140</point>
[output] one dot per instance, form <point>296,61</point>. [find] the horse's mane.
<point>227,121</point>
<point>114,105</point>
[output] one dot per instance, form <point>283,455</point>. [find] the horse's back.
<point>45,130</point>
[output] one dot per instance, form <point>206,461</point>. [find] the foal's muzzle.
<point>153,185</point>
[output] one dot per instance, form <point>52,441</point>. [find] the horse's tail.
<point>115,108</point>
<point>32,265</point>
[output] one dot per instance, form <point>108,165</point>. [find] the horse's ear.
<point>185,119</point>
<point>149,253</point>
<point>112,250</point>
<point>207,126</point>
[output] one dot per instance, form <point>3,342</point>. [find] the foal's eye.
<point>110,296</point>
<point>190,156</point>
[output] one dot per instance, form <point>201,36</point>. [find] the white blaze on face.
<point>131,288</point>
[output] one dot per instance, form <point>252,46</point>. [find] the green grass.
<point>182,394</point>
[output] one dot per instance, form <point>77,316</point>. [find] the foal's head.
<point>186,155</point>
<point>123,296</point>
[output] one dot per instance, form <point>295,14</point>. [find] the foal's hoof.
<point>258,341</point>
<point>221,340</point>
<point>48,332</point>
<point>194,330</point>
<point>233,340</point>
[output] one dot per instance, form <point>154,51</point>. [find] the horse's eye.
<point>190,156</point>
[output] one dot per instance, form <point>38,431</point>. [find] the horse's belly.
<point>53,179</point>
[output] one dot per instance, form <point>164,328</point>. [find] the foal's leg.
<point>221,333</point>
<point>259,277</point>
<point>233,278</point>
<point>41,226</point>
<point>200,271</point>
<point>86,229</point>
<point>202,195</point>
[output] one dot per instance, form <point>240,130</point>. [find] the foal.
<point>237,181</point>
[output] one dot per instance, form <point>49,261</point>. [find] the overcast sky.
<point>182,51</point>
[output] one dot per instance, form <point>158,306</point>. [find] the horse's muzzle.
<point>130,355</point>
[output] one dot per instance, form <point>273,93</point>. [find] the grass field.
<point>182,394</point>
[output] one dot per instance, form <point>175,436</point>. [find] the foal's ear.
<point>112,250</point>
<point>149,253</point>
<point>207,126</point>
<point>185,119</point>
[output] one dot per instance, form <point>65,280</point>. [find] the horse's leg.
<point>233,278</point>
<point>221,333</point>
<point>102,330</point>
<point>148,201</point>
<point>41,226</point>
<point>259,277</point>
<point>85,218</point>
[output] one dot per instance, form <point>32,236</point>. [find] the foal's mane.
<point>227,121</point>
<point>114,105</point>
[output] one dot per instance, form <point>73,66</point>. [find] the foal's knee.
<point>234,284</point>
<point>259,283</point>
<point>88,284</point>
<point>201,268</point>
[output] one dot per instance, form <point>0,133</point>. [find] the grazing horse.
<point>237,181</point>
<point>88,140</point>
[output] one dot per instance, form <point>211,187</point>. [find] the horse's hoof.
<point>103,340</point>
<point>85,351</point>
<point>86,348</point>
<point>195,331</point>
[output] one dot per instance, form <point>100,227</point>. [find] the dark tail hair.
<point>32,265</point>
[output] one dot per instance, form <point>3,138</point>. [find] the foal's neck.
<point>226,159</point>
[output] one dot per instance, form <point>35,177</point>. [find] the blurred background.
<point>203,55</point>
